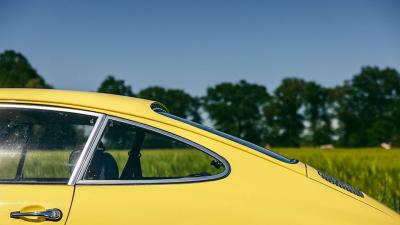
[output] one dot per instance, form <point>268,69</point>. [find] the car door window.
<point>133,152</point>
<point>41,145</point>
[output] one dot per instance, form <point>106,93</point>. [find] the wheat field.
<point>374,171</point>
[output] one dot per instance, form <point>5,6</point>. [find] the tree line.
<point>363,111</point>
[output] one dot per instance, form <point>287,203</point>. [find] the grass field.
<point>154,163</point>
<point>374,171</point>
<point>170,163</point>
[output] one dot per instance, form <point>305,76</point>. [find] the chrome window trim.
<point>90,150</point>
<point>50,108</point>
<point>82,181</point>
<point>83,156</point>
<point>100,118</point>
<point>224,135</point>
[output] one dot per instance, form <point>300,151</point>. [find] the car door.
<point>39,148</point>
<point>142,175</point>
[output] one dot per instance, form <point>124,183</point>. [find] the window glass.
<point>128,152</point>
<point>39,145</point>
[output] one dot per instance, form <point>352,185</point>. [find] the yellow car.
<point>80,158</point>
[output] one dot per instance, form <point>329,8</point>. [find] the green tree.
<point>236,108</point>
<point>367,107</point>
<point>283,114</point>
<point>112,85</point>
<point>346,111</point>
<point>177,101</point>
<point>17,72</point>
<point>318,113</point>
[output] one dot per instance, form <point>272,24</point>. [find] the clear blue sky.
<point>195,44</point>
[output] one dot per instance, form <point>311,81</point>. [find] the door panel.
<point>33,198</point>
<point>39,148</point>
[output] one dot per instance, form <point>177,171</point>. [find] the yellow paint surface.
<point>258,190</point>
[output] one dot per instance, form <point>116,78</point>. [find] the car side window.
<point>131,152</point>
<point>39,145</point>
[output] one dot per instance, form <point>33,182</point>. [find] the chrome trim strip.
<point>87,156</point>
<point>51,108</point>
<point>83,157</point>
<point>154,181</point>
<point>229,137</point>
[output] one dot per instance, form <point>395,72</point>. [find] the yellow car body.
<point>256,189</point>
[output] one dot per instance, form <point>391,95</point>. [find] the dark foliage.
<point>363,111</point>
<point>112,85</point>
<point>237,109</point>
<point>17,72</point>
<point>177,101</point>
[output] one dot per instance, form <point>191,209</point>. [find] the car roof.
<point>116,104</point>
<point>93,101</point>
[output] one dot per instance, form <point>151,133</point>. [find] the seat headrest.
<point>102,165</point>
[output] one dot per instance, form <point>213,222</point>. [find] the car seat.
<point>102,166</point>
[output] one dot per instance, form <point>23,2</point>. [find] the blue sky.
<point>195,44</point>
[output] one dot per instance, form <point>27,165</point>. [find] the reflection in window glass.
<point>127,152</point>
<point>41,145</point>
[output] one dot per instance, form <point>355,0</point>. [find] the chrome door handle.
<point>50,214</point>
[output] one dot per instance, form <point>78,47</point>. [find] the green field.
<point>376,172</point>
<point>170,163</point>
<point>155,163</point>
